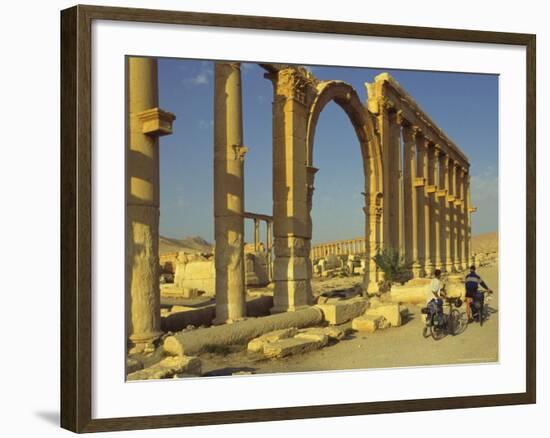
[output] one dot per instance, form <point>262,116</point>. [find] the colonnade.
<point>357,246</point>
<point>417,188</point>
<point>427,211</point>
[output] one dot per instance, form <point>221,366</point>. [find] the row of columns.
<point>343,247</point>
<point>436,206</point>
<point>426,184</point>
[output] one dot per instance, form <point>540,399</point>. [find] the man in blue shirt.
<point>473,281</point>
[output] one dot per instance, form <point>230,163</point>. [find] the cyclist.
<point>434,298</point>
<point>473,281</point>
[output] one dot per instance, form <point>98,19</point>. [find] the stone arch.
<point>363,123</point>
<point>346,97</point>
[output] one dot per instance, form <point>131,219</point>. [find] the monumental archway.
<point>346,97</point>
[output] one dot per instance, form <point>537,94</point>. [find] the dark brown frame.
<point>76,173</point>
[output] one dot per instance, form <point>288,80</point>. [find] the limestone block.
<point>290,346</point>
<point>288,226</point>
<point>389,311</point>
<point>315,334</point>
<point>334,333</point>
<point>168,367</point>
<point>286,268</point>
<point>291,295</point>
<point>343,311</point>
<point>368,324</point>
<point>256,269</point>
<point>291,246</point>
<point>383,324</point>
<point>198,273</point>
<point>257,344</point>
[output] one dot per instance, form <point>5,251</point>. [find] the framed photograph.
<point>269,218</point>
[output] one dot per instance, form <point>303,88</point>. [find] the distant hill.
<point>486,242</point>
<point>188,244</point>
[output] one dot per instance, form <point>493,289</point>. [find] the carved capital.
<point>386,105</point>
<point>295,83</point>
<point>417,132</point>
<point>402,120</point>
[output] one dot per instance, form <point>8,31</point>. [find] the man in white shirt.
<point>434,297</point>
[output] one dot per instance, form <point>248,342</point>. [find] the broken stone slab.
<point>334,333</point>
<point>240,332</point>
<point>343,311</point>
<point>368,324</point>
<point>168,367</point>
<point>256,345</point>
<point>290,346</point>
<point>389,311</point>
<point>314,334</point>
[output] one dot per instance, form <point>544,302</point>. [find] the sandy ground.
<point>395,347</point>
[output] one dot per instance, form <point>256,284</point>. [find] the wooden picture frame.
<point>76,218</point>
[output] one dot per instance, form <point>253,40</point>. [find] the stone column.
<point>465,215</point>
<point>256,235</point>
<point>310,187</point>
<point>390,139</point>
<point>146,123</point>
<point>442,217</point>
<point>409,195</point>
<point>451,260</point>
<point>293,94</point>
<point>468,218</point>
<point>269,248</point>
<point>229,194</point>
<point>419,188</point>
<point>373,232</point>
<point>459,219</point>
<point>430,208</point>
<point>436,223</point>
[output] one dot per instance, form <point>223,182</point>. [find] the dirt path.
<point>395,347</point>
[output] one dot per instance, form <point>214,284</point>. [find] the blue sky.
<point>464,105</point>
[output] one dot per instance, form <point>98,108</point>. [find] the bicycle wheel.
<point>437,330</point>
<point>481,310</point>
<point>457,322</point>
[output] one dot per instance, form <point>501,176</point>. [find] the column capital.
<point>386,104</point>
<point>294,83</point>
<point>417,131</point>
<point>402,120</point>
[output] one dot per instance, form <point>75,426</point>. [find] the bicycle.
<point>479,307</point>
<point>438,326</point>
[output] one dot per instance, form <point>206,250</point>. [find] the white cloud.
<point>203,77</point>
